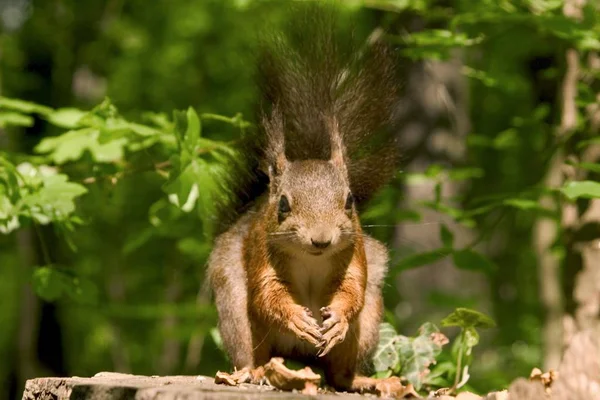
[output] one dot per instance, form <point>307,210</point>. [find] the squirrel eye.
<point>284,205</point>
<point>349,202</point>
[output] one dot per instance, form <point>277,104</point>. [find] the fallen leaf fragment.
<point>439,338</point>
<point>546,378</point>
<point>310,389</point>
<point>284,378</point>
<point>238,377</point>
<point>393,387</point>
<point>225,379</point>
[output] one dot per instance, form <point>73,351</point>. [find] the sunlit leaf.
<point>15,119</point>
<point>523,204</point>
<point>581,189</point>
<point>54,200</point>
<point>66,117</point>
<point>216,337</point>
<point>588,166</point>
<point>467,318</point>
<point>71,145</point>
<point>23,106</point>
<point>9,220</point>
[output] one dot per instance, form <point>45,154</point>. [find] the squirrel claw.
<point>304,326</point>
<point>334,330</point>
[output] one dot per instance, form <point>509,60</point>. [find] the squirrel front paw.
<point>335,327</point>
<point>303,325</point>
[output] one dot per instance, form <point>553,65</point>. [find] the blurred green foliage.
<point>107,195</point>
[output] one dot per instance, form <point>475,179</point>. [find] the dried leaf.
<point>547,378</point>
<point>393,387</point>
<point>310,389</point>
<point>225,378</point>
<point>439,338</point>
<point>284,378</point>
<point>238,377</point>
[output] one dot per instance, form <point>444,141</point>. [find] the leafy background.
<point>106,193</point>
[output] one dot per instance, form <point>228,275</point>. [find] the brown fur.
<point>257,295</point>
<point>299,278</point>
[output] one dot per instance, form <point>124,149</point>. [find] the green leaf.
<point>386,356</point>
<point>187,130</point>
<point>49,283</point>
<point>137,240</point>
<point>588,166</point>
<point>417,354</point>
<point>26,107</point>
<point>184,188</point>
<point>66,117</point>
<point>52,283</point>
<point>462,174</point>
<point>216,337</point>
<point>54,201</point>
<point>192,133</point>
<point>15,119</point>
<point>9,220</point>
<point>473,261</point>
<point>383,374</point>
<point>522,204</point>
<point>581,189</point>
<point>468,259</point>
<point>142,130</point>
<point>446,236</point>
<point>417,260</point>
<point>71,145</point>
<point>197,250</point>
<point>467,318</point>
<point>471,337</point>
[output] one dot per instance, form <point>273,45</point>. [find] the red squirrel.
<point>296,277</point>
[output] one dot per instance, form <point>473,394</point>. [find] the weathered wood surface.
<point>114,386</point>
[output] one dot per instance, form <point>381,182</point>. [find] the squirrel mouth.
<point>315,252</point>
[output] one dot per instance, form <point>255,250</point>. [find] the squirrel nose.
<point>320,245</point>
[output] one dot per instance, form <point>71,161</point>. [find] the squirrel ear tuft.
<point>337,145</point>
<point>276,161</point>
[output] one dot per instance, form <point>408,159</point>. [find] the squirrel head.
<point>311,208</point>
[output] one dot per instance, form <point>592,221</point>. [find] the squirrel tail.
<point>311,74</point>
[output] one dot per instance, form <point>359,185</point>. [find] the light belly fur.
<point>309,276</point>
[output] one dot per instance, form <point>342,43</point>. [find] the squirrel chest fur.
<point>296,277</point>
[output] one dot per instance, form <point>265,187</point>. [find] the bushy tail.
<point>312,73</point>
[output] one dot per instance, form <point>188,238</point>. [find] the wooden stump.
<point>114,386</point>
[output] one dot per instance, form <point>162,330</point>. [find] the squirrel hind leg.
<point>372,313</point>
<point>227,277</point>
